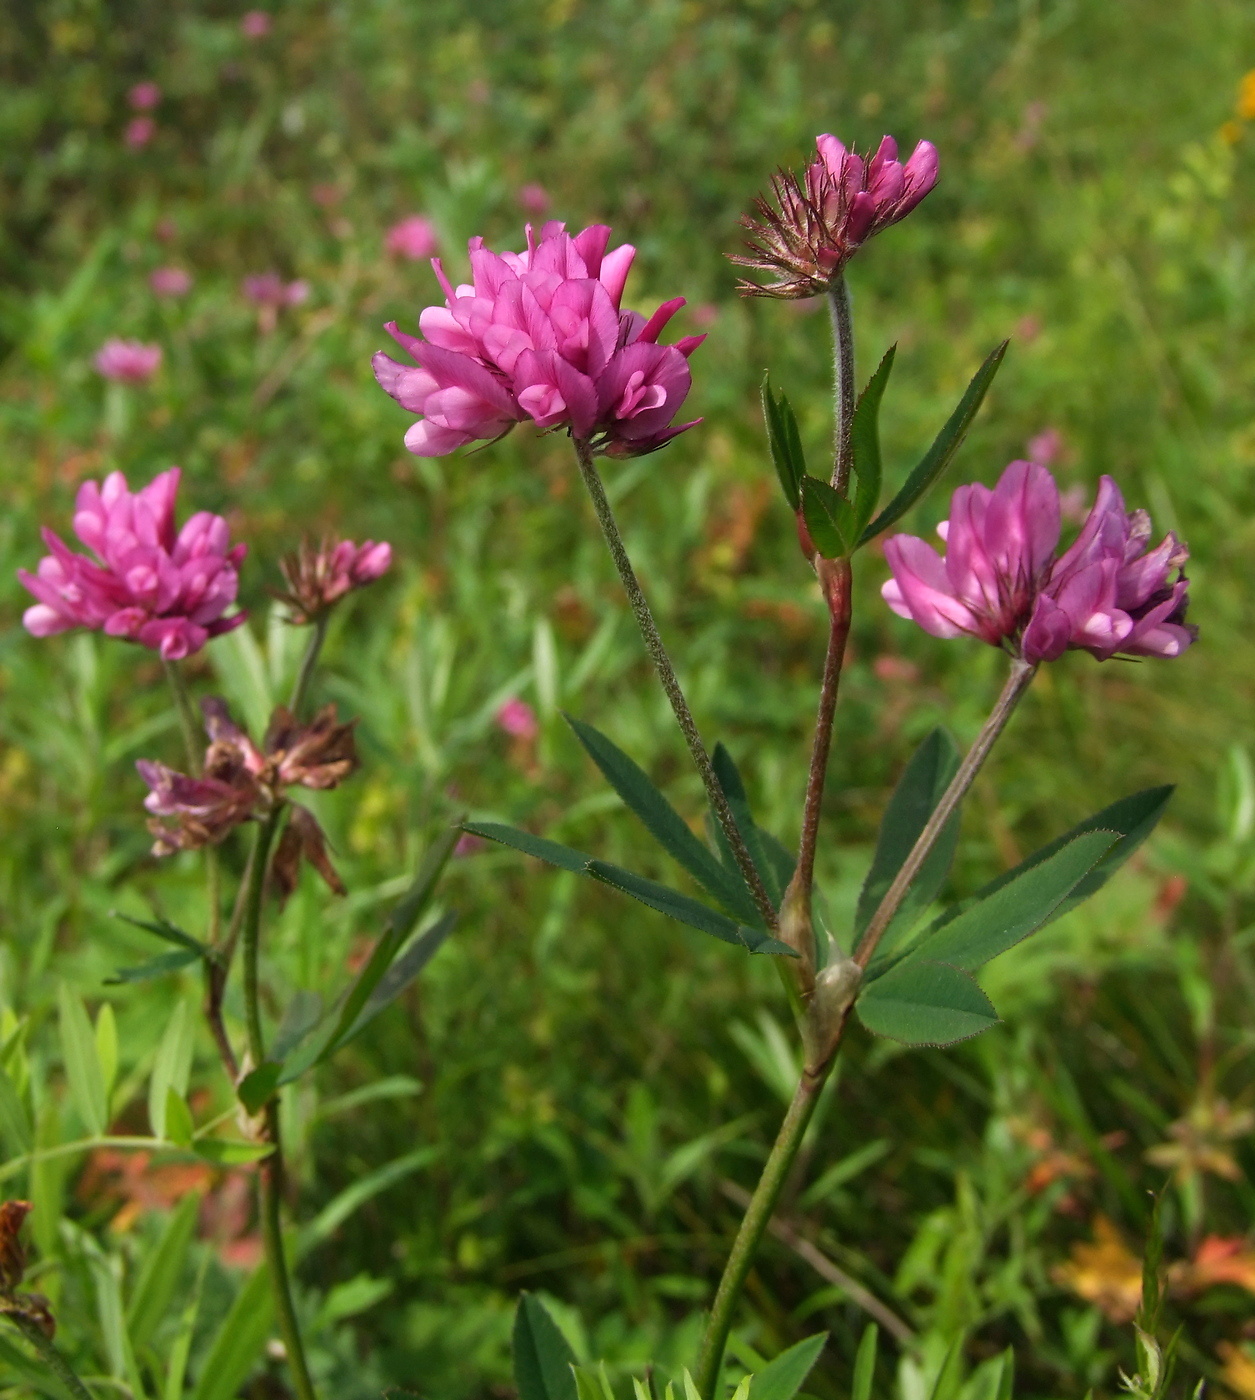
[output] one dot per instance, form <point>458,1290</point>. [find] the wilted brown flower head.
<point>31,1306</point>
<point>318,578</point>
<point>829,211</point>
<point>241,782</point>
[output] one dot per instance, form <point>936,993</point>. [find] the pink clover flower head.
<point>143,97</point>
<point>139,132</point>
<point>517,719</point>
<point>170,281</point>
<point>255,24</point>
<point>412,238</point>
<point>1001,579</point>
<point>533,198</point>
<point>826,214</point>
<point>317,578</point>
<point>144,581</point>
<point>541,335</point>
<point>127,361</point>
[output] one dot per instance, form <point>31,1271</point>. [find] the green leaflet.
<point>667,901</point>
<point>865,443</point>
<point>782,1378</point>
<point>945,445</point>
<point>542,1357</point>
<point>829,518</point>
<point>1133,818</point>
<point>664,823</point>
<point>773,863</point>
<point>925,1003</point>
<point>785,443</point>
<point>999,920</point>
<point>919,789</point>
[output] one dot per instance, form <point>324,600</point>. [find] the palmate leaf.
<point>664,823</point>
<point>919,789</point>
<point>945,445</point>
<point>667,901</point>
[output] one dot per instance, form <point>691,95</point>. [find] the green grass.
<point>567,1042</point>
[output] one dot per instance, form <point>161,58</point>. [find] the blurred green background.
<point>592,1076</point>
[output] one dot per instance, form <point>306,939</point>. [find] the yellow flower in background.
<point>1239,1370</point>
<point>1231,133</point>
<point>1106,1273</point>
<point>1246,96</point>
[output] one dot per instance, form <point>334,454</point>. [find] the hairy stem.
<point>50,1356</point>
<point>753,1225</point>
<point>842,382</point>
<point>308,662</point>
<point>1022,673</point>
<point>666,673</point>
<point>272,1168</point>
<point>795,911</point>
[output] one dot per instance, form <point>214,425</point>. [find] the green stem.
<point>187,716</point>
<point>50,1356</point>
<point>795,909</point>
<point>1022,673</point>
<point>308,662</point>
<point>254,889</point>
<point>272,1235</point>
<point>272,1169</point>
<point>842,382</point>
<point>753,1226</point>
<point>666,673</point>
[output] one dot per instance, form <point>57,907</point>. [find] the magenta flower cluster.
<point>540,335</point>
<point>166,590</point>
<point>1002,581</point>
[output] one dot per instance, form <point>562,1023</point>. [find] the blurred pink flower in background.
<point>705,315</point>
<point>256,24</point>
<point>148,584</point>
<point>1072,503</point>
<point>143,97</point>
<point>170,281</point>
<point>139,132</point>
<point>1044,447</point>
<point>468,844</point>
<point>517,719</point>
<point>533,198</point>
<point>269,289</point>
<point>269,292</point>
<point>127,361</point>
<point>540,334</point>
<point>1001,581</point>
<point>166,229</point>
<point>413,238</point>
